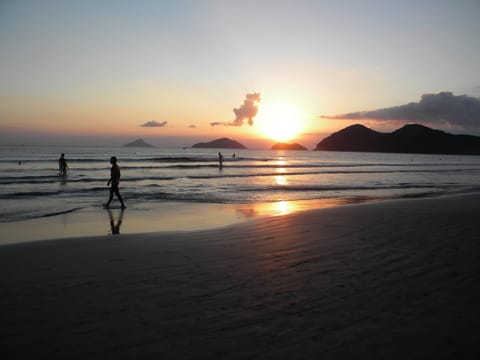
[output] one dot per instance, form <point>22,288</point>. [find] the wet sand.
<point>388,280</point>
<point>149,217</point>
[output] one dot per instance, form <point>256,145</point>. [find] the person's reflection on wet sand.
<point>115,228</point>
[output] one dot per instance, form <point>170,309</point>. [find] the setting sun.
<point>280,121</point>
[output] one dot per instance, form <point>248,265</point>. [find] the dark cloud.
<point>443,108</point>
<point>192,127</point>
<point>154,123</point>
<point>246,112</point>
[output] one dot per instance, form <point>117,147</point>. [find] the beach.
<point>395,279</point>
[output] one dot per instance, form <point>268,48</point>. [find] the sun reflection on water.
<point>284,207</point>
<point>276,208</point>
<point>280,179</point>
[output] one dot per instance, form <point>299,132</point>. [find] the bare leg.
<point>107,204</point>
<point>120,198</point>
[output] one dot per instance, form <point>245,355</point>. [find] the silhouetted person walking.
<point>114,181</point>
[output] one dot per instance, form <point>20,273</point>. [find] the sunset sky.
<point>173,72</point>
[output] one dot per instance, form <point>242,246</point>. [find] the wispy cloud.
<point>444,108</point>
<point>154,123</point>
<point>246,112</point>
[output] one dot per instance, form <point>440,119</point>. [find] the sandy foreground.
<point>389,280</point>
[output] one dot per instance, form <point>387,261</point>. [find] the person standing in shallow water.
<point>220,160</point>
<point>114,182</point>
<point>62,165</point>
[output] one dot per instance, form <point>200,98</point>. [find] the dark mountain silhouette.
<point>223,143</point>
<point>285,146</point>
<point>138,143</point>
<point>413,139</point>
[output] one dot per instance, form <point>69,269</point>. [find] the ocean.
<point>30,185</point>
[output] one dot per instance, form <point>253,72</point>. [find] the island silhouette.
<point>286,146</point>
<point>223,143</point>
<point>411,139</point>
<point>138,143</point>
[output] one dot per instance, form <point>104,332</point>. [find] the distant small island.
<point>410,139</point>
<point>285,146</point>
<point>138,143</point>
<point>223,143</point>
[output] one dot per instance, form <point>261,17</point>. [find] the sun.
<point>280,121</point>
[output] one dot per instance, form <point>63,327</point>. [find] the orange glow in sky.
<point>71,73</point>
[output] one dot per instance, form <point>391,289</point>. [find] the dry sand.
<point>390,280</point>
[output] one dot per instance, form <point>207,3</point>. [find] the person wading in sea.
<point>114,181</point>
<point>62,165</point>
<point>220,160</point>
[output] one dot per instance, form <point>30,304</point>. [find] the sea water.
<point>30,185</point>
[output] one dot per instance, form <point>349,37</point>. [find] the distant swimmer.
<point>115,182</point>
<point>62,165</point>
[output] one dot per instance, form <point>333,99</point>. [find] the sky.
<point>178,72</point>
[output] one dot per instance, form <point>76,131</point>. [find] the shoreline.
<point>167,216</point>
<point>384,280</point>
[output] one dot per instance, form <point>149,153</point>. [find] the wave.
<point>200,159</point>
<point>242,191</point>
<point>29,194</point>
<point>320,188</point>
<point>83,179</point>
<point>37,194</point>
<point>59,212</point>
<point>28,215</point>
<point>212,158</point>
<point>300,193</point>
<point>165,159</point>
<point>28,179</point>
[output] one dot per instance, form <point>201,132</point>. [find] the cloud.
<point>192,126</point>
<point>246,112</point>
<point>443,108</point>
<point>154,123</point>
